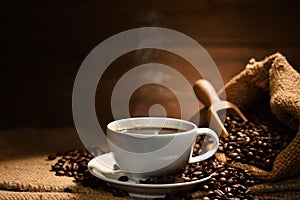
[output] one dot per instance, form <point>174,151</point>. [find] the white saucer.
<point>136,189</point>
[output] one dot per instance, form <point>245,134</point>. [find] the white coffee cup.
<point>143,154</point>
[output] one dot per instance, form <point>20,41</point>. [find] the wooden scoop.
<point>216,108</point>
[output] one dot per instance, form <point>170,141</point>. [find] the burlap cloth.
<point>275,78</point>
<point>25,171</point>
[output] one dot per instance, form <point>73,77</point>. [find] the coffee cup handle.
<point>211,152</point>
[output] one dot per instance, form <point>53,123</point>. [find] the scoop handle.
<point>205,92</point>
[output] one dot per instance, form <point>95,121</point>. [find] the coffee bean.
<point>227,189</point>
<point>222,180</point>
<point>211,183</point>
<point>250,153</point>
<point>240,134</point>
<point>55,167</point>
<point>59,153</point>
<point>217,185</point>
<point>197,173</point>
<point>197,146</point>
<point>220,169</point>
<point>68,190</point>
<point>265,144</point>
<point>67,157</point>
<point>233,130</point>
<point>233,154</point>
<point>259,142</point>
<point>69,174</point>
<point>213,179</point>
<point>221,148</point>
<point>219,192</point>
<point>62,160</point>
<point>232,138</point>
<point>257,157</point>
<point>60,173</point>
<point>51,157</point>
<point>238,150</point>
<point>230,181</point>
<point>79,159</point>
<point>205,187</point>
<point>225,145</point>
<point>230,147</point>
<point>123,178</point>
<point>230,195</point>
<point>223,174</point>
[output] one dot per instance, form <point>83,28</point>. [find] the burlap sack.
<point>273,76</point>
<point>286,189</point>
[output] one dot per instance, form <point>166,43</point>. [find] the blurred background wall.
<point>43,44</point>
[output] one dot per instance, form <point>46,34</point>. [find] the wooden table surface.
<point>44,43</point>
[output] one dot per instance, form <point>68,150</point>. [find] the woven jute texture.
<point>281,190</point>
<point>275,77</point>
<point>286,189</point>
<point>25,171</point>
<point>286,195</point>
<point>12,195</point>
<point>279,186</point>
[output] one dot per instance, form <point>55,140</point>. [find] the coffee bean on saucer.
<point>123,178</point>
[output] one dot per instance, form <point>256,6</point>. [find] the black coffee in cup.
<point>151,130</point>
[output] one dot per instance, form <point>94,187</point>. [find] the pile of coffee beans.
<point>226,182</point>
<point>74,163</point>
<point>191,172</point>
<point>249,143</point>
<point>197,147</point>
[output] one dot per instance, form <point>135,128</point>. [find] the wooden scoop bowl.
<point>216,108</point>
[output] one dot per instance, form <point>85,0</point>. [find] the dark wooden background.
<point>44,42</point>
